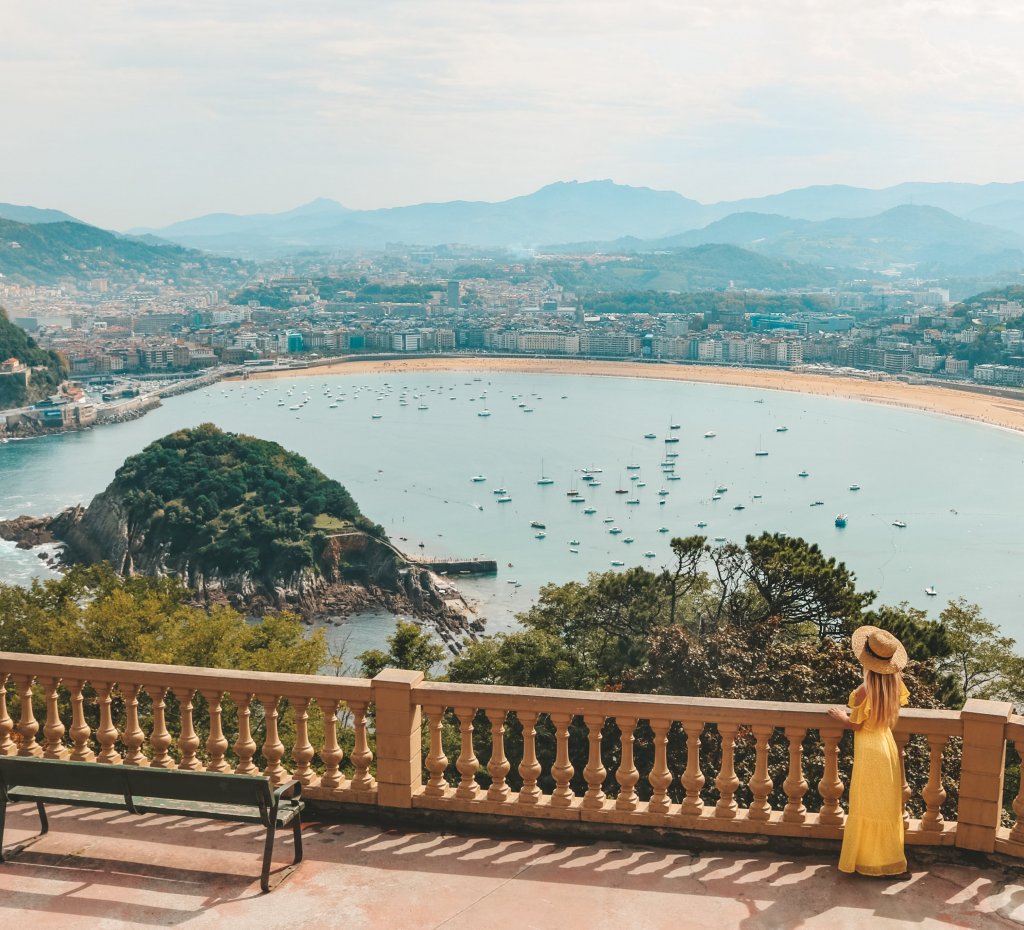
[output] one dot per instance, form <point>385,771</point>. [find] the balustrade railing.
<point>691,764</point>
<point>120,713</point>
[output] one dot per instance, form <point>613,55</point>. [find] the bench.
<point>143,790</point>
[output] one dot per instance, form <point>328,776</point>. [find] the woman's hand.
<point>838,713</point>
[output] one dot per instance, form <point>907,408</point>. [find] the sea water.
<point>408,446</point>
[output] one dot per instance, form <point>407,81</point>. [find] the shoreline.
<point>991,409</point>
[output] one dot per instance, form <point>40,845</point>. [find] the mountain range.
<point>598,211</point>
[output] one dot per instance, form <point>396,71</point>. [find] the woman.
<point>873,836</point>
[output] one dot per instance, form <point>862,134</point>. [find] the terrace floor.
<point>103,869</point>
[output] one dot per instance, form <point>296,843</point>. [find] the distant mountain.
<point>557,213</point>
<point>50,252</point>
<point>571,211</point>
<point>11,211</point>
<point>931,240</point>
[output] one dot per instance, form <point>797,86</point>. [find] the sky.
<point>130,114</point>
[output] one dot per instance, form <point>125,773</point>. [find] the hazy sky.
<point>127,113</point>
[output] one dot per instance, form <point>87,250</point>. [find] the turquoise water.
<point>954,483</point>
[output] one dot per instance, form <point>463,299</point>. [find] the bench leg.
<point>3,819</point>
<point>297,833</point>
<point>268,850</point>
<point>44,824</point>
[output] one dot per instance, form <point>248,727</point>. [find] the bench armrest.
<point>290,789</point>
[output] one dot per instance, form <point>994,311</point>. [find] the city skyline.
<point>131,116</point>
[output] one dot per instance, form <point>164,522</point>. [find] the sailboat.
<point>543,478</point>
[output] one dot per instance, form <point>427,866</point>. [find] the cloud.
<point>144,113</point>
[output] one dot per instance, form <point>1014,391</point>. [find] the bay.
<point>408,446</point>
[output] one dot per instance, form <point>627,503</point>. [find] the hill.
<point>46,253</point>
<point>46,369</point>
<point>22,214</point>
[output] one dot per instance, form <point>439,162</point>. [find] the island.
<point>243,521</point>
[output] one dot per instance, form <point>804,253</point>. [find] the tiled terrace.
<point>110,870</point>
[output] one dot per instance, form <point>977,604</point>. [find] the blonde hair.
<point>883,698</point>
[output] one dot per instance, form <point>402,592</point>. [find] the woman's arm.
<point>841,715</point>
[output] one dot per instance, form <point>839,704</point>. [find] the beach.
<point>995,410</point>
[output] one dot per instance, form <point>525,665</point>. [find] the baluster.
<point>245,745</point>
<point>693,777</point>
<point>627,775</point>
<point>302,751</point>
<point>437,785</point>
<point>7,746</point>
<point>660,777</point>
<point>28,726</point>
<point>333,779</point>
<point>529,768</point>
<point>934,794</point>
<point>761,784</point>
<point>133,736</point>
<point>498,767</point>
<point>53,730</point>
<point>80,730</point>
<point>831,785</point>
<point>216,742</point>
<point>188,739</point>
<point>905,790</point>
<point>107,733</point>
<point>795,784</point>
<point>562,771</point>
<point>727,782</point>
<point>594,772</point>
<point>273,748</point>
<point>361,755</point>
<point>160,737</point>
<point>1017,833</point>
<point>467,763</point>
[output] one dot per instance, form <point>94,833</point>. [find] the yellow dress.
<point>873,836</point>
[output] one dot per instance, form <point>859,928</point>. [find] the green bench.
<point>139,790</point>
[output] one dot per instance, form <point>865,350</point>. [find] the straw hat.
<point>878,650</point>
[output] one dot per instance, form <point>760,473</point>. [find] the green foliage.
<point>91,612</point>
<point>408,647</point>
<point>48,368</point>
<point>703,302</point>
<point>223,503</point>
<point>981,661</point>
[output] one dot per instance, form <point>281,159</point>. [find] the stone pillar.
<point>981,773</point>
<point>399,742</point>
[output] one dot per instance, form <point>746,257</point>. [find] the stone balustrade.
<point>707,766</point>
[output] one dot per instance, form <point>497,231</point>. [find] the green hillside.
<point>48,368</point>
<point>49,252</point>
<point>225,503</point>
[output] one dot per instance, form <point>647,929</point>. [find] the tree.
<point>982,662</point>
<point>408,647</point>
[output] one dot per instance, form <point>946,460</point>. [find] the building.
<point>406,342</point>
<point>620,345</point>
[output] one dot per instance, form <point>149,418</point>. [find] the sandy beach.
<point>1005,412</point>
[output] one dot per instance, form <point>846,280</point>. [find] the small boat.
<point>672,455</point>
<point>621,491</point>
<point>710,434</point>
<point>818,504</point>
<point>719,539</point>
<point>609,520</point>
<point>781,429</point>
<point>841,520</point>
<point>504,500</point>
<point>721,489</point>
<point>539,535</point>
<point>499,491</point>
<point>672,439</point>
<point>854,487</point>
<point>483,413</point>
<point>422,407</point>
<point>634,477</point>
<point>633,500</point>
<point>674,426</point>
<point>673,478</point>
<point>641,484</point>
<point>650,555</point>
<point>577,500</point>
<point>512,581</point>
<point>614,531</point>
<point>376,416</point>
<point>588,477</point>
<point>701,525</point>
<point>478,478</point>
<point>899,524</point>
<point>331,407</point>
<point>650,436</point>
<point>577,551</point>
<point>930,591</point>
<point>595,484</point>
<point>739,507</point>
<point>628,539</point>
<point>761,453</point>
<point>803,474</point>
<point>589,510</point>
<point>527,409</point>
<point>662,529</point>
<point>632,467</point>
<point>572,493</point>
<point>617,564</point>
<point>757,497</point>
<point>544,479</point>
<point>537,525</point>
<point>574,542</point>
